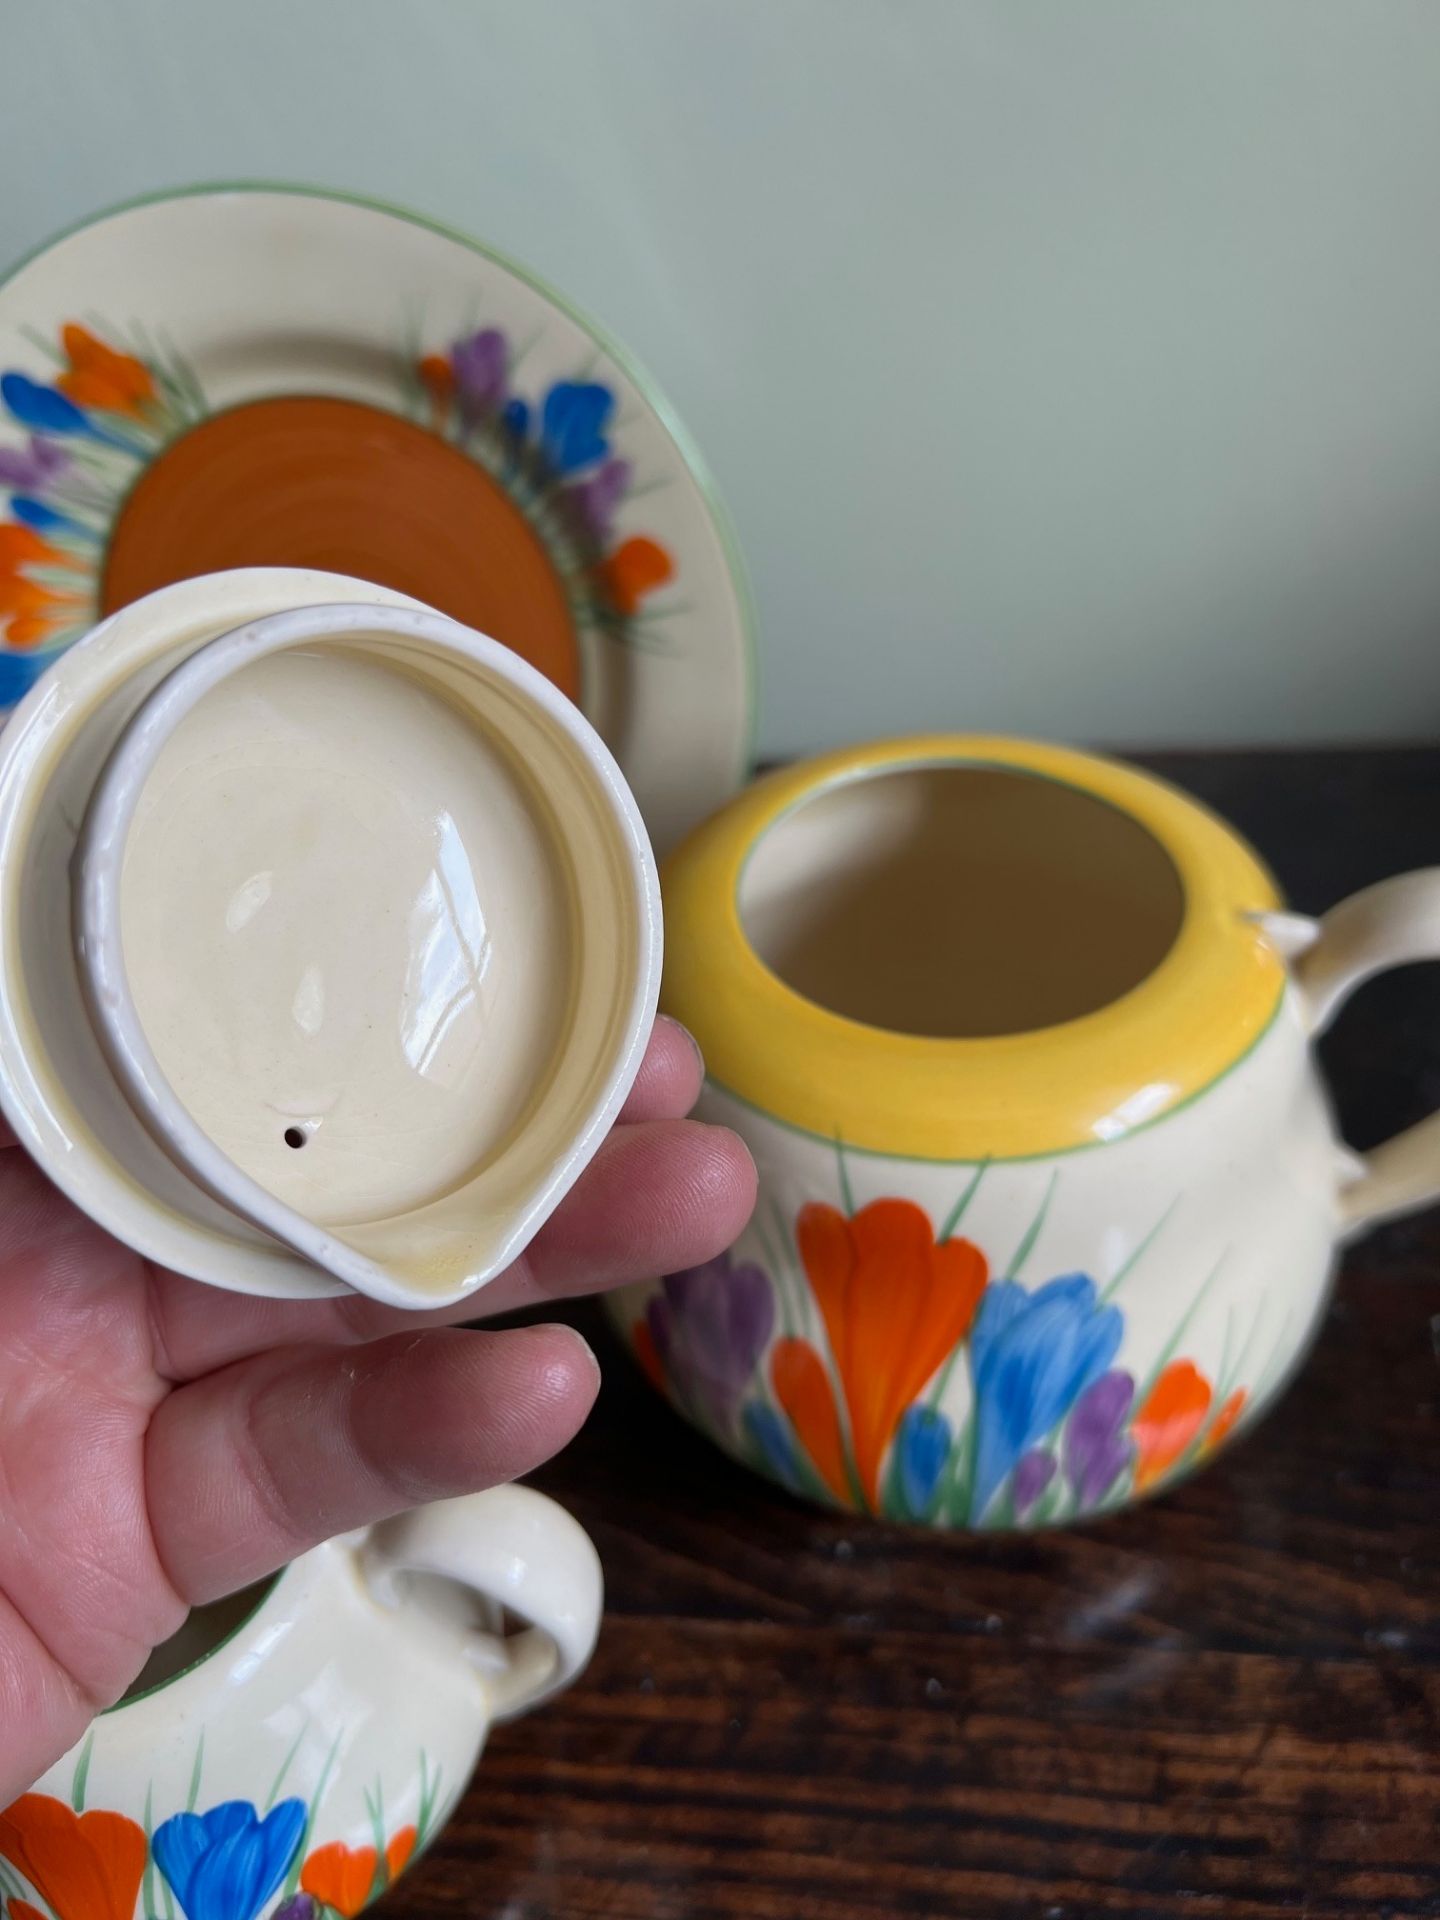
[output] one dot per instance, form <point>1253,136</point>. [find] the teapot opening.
<point>960,901</point>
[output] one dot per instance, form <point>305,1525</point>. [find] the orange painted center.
<point>349,488</point>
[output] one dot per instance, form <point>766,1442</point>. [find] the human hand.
<point>163,1443</point>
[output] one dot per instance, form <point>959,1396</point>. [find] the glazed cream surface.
<point>347,933</point>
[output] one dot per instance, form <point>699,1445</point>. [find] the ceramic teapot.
<point>1050,1191</point>
<point>294,1749</point>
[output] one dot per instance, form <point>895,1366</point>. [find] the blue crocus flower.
<point>228,1863</point>
<point>47,410</point>
<point>18,673</point>
<point>42,409</point>
<point>43,518</point>
<point>922,1446</point>
<point>572,424</point>
<point>771,1434</point>
<point>1032,1355</point>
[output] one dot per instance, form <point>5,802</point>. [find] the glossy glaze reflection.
<point>349,942</point>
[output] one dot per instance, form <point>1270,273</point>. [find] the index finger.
<point>657,1198</point>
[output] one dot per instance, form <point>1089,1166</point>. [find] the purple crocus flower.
<point>1097,1450</point>
<point>711,1326</point>
<point>31,469</point>
<point>300,1906</point>
<point>1033,1473</point>
<point>480,365</point>
<point>596,500</point>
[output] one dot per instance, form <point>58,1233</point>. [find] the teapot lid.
<point>365,925</point>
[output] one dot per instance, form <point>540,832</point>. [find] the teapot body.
<point>1012,1343</point>
<point>1050,1189</point>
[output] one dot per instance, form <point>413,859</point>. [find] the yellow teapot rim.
<point>1082,1083</point>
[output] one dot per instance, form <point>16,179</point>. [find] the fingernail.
<point>716,1126</point>
<point>585,1347</point>
<point>559,1334</point>
<point>680,1028</point>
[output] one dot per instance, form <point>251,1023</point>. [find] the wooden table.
<point>1226,1704</point>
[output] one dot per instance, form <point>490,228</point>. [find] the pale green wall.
<point>1070,368</point>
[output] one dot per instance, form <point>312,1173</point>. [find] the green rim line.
<point>1005,1159</point>
<point>148,1693</point>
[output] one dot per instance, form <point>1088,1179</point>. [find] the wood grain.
<point>1227,1703</point>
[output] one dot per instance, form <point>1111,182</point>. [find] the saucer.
<point>264,376</point>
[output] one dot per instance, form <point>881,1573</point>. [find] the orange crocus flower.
<point>437,376</point>
<point>32,629</point>
<point>1173,1413</point>
<point>895,1306</point>
<point>648,1354</point>
<point>1224,1420</point>
<point>397,1854</point>
<point>85,1866</point>
<point>343,1878</point>
<point>23,547</point>
<point>30,612</point>
<point>637,567</point>
<point>802,1386</point>
<point>98,376</point>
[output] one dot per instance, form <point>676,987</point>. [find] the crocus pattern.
<point>832,1373</point>
<point>233,1860</point>
<point>554,454</point>
<point>705,1331</point>
<point>79,1866</point>
<point>228,1864</point>
<point>83,432</point>
<point>344,1879</point>
<point>894,1304</point>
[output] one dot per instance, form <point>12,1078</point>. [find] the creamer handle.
<point>518,1551</point>
<point>1387,925</point>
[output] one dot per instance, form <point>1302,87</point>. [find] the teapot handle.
<point>1387,925</point>
<point>517,1551</point>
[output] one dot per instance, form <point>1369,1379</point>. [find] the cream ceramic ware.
<point>1050,1188</point>
<point>364,946</point>
<point>241,375</point>
<point>315,1738</point>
